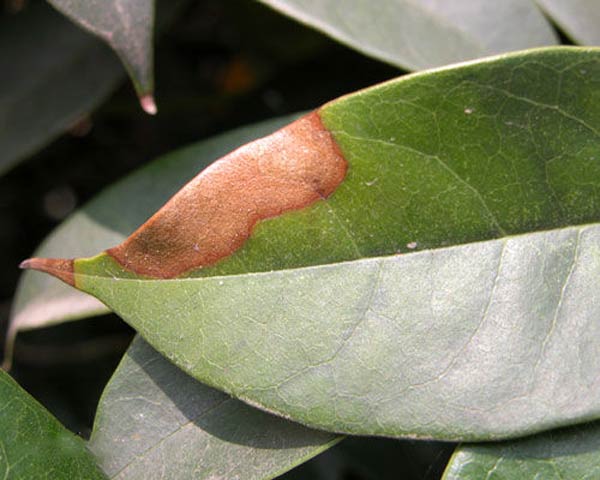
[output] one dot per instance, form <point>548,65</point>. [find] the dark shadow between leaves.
<point>372,458</point>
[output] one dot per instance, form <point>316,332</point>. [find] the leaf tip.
<point>148,104</point>
<point>61,268</point>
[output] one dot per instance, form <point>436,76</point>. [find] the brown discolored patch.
<point>213,215</point>
<point>58,267</point>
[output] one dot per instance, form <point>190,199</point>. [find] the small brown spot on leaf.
<point>214,214</point>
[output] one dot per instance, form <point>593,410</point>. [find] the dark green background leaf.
<point>49,79</point>
<point>155,422</point>
<point>568,454</point>
<point>128,27</point>
<point>34,445</point>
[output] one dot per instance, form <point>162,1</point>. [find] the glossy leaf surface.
<point>33,444</point>
<point>445,289</point>
<point>151,414</point>
<point>568,454</point>
<point>426,33</point>
<point>578,18</point>
<point>127,26</point>
<point>49,80</point>
<point>42,301</point>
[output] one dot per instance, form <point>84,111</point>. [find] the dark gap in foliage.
<point>65,367</point>
<point>371,458</point>
<point>563,37</point>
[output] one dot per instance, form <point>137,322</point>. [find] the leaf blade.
<point>381,372</point>
<point>562,454</point>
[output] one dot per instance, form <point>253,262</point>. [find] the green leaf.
<point>41,301</point>
<point>578,18</point>
<point>49,80</point>
<point>128,28</point>
<point>445,289</point>
<point>567,454</point>
<point>426,33</point>
<point>152,414</point>
<point>33,444</point>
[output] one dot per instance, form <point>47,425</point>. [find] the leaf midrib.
<point>378,258</point>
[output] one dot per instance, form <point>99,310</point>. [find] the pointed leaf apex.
<point>59,267</point>
<point>148,104</point>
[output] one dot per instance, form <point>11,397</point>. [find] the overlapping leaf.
<point>152,414</point>
<point>568,454</point>
<point>49,80</point>
<point>426,33</point>
<point>445,289</point>
<point>578,18</point>
<point>33,444</point>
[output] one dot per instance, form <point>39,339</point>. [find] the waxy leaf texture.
<point>49,80</point>
<point>444,289</point>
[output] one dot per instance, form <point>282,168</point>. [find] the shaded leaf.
<point>426,33</point>
<point>127,26</point>
<point>578,18</point>
<point>152,414</point>
<point>49,80</point>
<point>445,289</point>
<point>567,454</point>
<point>33,444</point>
<point>41,301</point>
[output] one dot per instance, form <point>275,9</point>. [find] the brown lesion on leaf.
<point>59,267</point>
<point>214,214</point>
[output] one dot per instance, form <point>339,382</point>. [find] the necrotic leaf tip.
<point>59,267</point>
